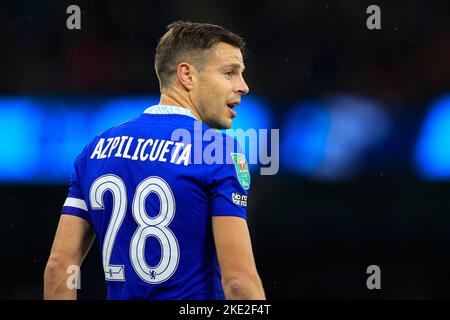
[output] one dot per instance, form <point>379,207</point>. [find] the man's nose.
<point>242,87</point>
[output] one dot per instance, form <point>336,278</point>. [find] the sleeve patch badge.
<point>240,164</point>
<point>239,199</point>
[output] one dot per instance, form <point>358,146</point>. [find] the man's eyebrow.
<point>234,66</point>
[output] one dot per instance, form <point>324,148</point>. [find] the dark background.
<point>312,239</point>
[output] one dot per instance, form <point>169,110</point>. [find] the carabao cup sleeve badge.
<point>242,172</point>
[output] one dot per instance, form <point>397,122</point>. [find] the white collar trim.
<point>163,109</point>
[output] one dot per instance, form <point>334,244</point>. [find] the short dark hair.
<point>186,41</point>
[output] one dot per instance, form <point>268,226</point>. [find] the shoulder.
<point>92,144</point>
<point>214,135</point>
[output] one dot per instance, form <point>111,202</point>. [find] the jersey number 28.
<point>147,226</point>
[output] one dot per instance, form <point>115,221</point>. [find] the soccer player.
<point>169,226</point>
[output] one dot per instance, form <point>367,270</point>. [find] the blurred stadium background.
<point>364,119</point>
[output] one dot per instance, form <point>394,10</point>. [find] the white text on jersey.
<point>142,149</point>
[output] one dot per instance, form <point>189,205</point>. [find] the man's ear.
<point>186,74</point>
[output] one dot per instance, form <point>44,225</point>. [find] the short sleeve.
<point>229,182</point>
<point>75,203</point>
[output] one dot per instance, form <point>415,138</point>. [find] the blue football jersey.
<point>149,188</point>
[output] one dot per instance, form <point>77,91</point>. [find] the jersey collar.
<point>163,109</point>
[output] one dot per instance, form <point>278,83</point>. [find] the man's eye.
<point>229,74</point>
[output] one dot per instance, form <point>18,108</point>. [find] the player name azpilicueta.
<point>142,149</point>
